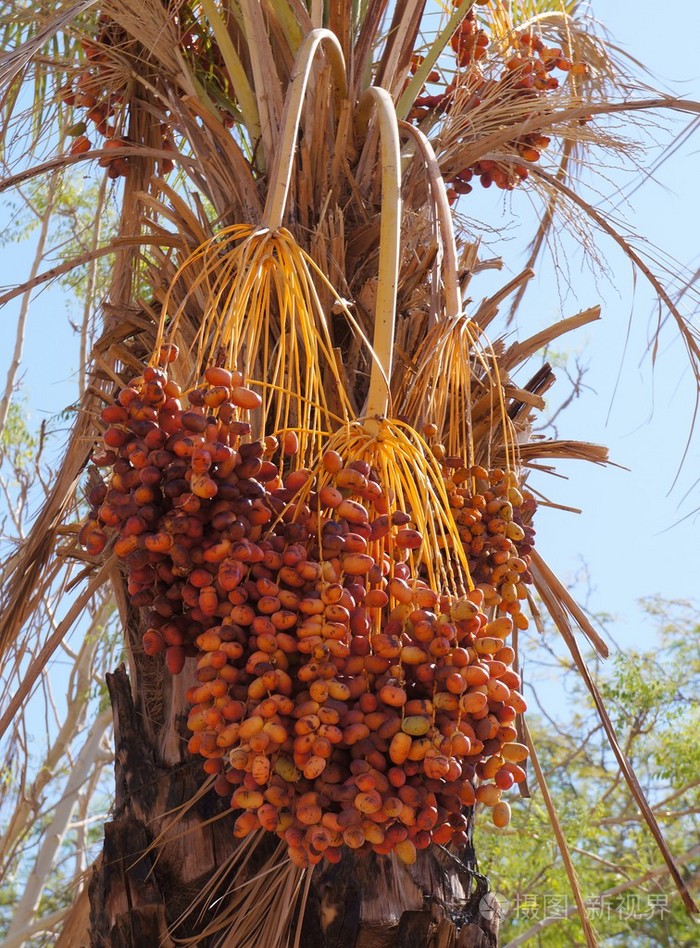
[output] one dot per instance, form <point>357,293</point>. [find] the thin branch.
<point>119,243</point>
<point>26,300</point>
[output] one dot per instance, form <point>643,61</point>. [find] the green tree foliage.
<point>651,698</point>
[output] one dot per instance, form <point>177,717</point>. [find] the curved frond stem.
<point>389,250</point>
<point>281,175</point>
<point>450,266</point>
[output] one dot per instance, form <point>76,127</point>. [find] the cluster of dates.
<point>339,700</point>
<point>101,90</point>
<point>493,520</point>
<point>526,76</point>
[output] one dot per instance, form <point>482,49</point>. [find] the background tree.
<point>56,784</point>
<point>650,697</point>
<point>213,89</point>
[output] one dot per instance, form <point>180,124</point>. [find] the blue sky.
<point>643,412</point>
<point>624,545</point>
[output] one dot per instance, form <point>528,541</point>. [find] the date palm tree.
<point>288,176</point>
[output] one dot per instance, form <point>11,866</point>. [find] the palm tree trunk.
<point>153,865</point>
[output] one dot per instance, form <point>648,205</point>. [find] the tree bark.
<point>155,865</point>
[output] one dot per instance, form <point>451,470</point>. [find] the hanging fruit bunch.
<point>526,73</point>
<point>101,88</point>
<point>494,525</point>
<point>94,89</point>
<point>334,553</point>
<point>341,696</point>
<point>353,685</point>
